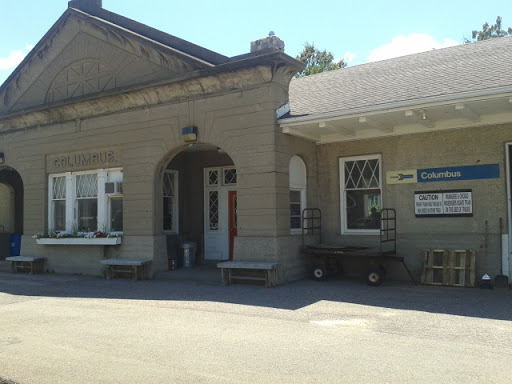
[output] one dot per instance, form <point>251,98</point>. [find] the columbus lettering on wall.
<point>443,203</point>
<point>78,161</point>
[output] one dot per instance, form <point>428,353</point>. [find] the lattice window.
<point>362,174</point>
<point>213,177</point>
<point>59,187</point>
<point>213,210</point>
<point>169,184</point>
<point>78,202</point>
<point>230,176</point>
<point>361,192</point>
<point>170,200</point>
<point>87,202</point>
<point>87,186</point>
<point>59,203</point>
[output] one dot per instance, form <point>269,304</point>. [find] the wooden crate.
<point>449,267</point>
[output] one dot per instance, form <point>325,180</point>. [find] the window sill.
<point>369,232</point>
<point>80,241</point>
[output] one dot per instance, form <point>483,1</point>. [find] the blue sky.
<point>360,31</point>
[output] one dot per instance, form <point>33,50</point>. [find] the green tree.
<point>489,32</point>
<point>317,61</point>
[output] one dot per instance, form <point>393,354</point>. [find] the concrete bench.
<point>243,270</point>
<point>136,268</point>
<point>29,264</point>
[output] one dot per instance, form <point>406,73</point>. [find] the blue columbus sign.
<point>470,172</point>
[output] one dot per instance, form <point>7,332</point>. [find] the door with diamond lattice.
<point>218,183</point>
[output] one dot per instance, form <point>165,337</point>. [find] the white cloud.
<point>406,45</point>
<point>349,57</point>
<point>14,58</point>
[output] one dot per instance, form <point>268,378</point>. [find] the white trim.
<point>69,212</point>
<point>72,202</point>
<point>343,219</point>
<point>399,106</point>
<point>80,241</point>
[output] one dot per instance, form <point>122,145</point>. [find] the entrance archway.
<point>11,207</point>
<point>199,203</point>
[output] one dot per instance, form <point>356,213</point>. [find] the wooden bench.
<point>136,268</point>
<point>28,264</point>
<point>242,270</point>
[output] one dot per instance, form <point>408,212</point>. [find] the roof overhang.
<point>487,107</point>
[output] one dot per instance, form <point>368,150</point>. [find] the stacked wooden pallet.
<point>449,267</point>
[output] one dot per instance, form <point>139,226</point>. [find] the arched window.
<point>298,183</point>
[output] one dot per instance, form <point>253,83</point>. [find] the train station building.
<point>121,141</point>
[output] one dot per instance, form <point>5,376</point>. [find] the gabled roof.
<point>164,41</point>
<point>154,34</point>
<point>90,52</point>
<point>443,73</point>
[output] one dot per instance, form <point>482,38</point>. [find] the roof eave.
<point>397,106</point>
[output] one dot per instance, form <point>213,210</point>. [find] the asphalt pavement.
<point>179,329</point>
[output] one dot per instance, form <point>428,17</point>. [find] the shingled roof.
<point>409,79</point>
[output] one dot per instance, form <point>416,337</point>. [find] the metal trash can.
<point>15,244</point>
<point>189,254</point>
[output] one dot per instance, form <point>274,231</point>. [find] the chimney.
<point>85,5</point>
<point>272,43</point>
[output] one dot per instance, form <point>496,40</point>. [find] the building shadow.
<point>206,286</point>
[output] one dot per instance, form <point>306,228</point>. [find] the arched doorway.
<point>199,202</point>
<point>11,207</point>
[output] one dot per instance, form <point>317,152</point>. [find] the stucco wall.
<point>472,146</point>
<point>241,123</point>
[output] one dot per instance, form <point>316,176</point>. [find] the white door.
<point>218,182</point>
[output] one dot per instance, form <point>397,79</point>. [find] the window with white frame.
<point>360,194</point>
<point>298,184</point>
<point>170,201</point>
<point>86,201</point>
<point>58,202</point>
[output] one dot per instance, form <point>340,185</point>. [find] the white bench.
<point>29,264</point>
<point>137,268</point>
<point>243,270</point>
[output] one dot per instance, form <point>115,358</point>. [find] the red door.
<point>233,231</point>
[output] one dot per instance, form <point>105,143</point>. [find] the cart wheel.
<point>319,272</point>
<point>375,276</point>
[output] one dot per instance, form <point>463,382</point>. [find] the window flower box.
<point>80,241</point>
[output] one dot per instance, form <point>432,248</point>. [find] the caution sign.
<point>443,203</point>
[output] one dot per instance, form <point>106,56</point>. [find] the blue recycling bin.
<point>15,242</point>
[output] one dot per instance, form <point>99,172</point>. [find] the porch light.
<point>2,158</point>
<point>189,134</point>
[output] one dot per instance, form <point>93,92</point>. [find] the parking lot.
<point>78,329</point>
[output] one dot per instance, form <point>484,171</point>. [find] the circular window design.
<point>81,78</point>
